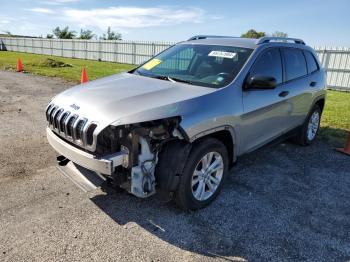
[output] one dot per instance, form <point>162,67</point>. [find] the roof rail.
<point>198,37</point>
<point>267,39</point>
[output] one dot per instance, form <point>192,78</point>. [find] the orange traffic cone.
<point>346,149</point>
<point>83,76</point>
<point>19,65</point>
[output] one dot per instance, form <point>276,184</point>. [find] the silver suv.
<point>175,124</point>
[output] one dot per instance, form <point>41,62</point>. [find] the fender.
<point>318,98</point>
<point>217,129</point>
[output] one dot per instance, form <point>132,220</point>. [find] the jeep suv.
<point>174,124</point>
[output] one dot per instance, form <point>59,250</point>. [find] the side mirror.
<point>260,82</point>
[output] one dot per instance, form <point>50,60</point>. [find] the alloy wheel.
<point>207,176</point>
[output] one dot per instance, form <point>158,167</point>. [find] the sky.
<point>318,23</point>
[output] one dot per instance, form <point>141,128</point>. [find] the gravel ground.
<point>281,203</point>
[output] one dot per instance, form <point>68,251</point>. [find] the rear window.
<point>312,65</point>
<point>295,63</point>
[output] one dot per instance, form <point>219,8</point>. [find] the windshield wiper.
<point>173,79</point>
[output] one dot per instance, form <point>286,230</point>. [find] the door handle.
<point>312,84</point>
<point>283,93</point>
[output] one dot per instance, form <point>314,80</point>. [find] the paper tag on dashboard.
<point>222,54</point>
<point>152,63</point>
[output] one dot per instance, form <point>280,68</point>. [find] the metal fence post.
<point>99,50</point>
<point>134,53</point>
<point>323,56</point>
<point>116,51</point>
<point>86,48</point>
<point>51,46</point>
<point>61,47</point>
<point>326,60</point>
<point>345,64</point>
<point>153,49</point>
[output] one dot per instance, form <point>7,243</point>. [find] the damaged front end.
<point>143,142</point>
<point>144,155</point>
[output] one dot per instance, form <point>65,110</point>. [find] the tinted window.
<point>311,62</point>
<point>295,63</point>
<point>268,64</point>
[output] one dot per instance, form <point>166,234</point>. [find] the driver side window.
<point>268,64</point>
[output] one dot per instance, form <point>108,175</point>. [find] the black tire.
<point>184,196</point>
<point>302,138</point>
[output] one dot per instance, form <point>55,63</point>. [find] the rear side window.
<point>269,64</point>
<point>312,65</point>
<point>295,63</point>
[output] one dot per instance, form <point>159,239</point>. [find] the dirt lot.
<point>282,203</point>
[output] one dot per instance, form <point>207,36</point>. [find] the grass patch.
<point>335,120</point>
<point>50,62</point>
<point>66,68</point>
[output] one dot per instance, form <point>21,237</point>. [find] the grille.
<point>70,126</point>
<point>79,129</point>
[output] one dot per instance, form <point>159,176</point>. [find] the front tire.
<point>203,175</point>
<point>309,129</point>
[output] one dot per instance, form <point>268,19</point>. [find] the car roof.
<point>251,43</point>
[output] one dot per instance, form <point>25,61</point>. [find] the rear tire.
<point>309,129</point>
<point>204,173</point>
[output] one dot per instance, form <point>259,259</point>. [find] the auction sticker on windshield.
<point>152,63</point>
<point>222,54</point>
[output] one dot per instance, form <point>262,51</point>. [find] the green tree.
<point>7,33</point>
<point>86,34</point>
<point>253,34</point>
<point>64,33</point>
<point>111,35</point>
<point>280,34</point>
<point>49,36</point>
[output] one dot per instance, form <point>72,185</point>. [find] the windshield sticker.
<point>152,63</point>
<point>222,54</point>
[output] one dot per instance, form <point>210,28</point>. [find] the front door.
<point>265,111</point>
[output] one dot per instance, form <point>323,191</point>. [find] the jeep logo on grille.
<point>75,106</point>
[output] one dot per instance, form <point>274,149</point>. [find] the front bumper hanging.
<point>104,165</point>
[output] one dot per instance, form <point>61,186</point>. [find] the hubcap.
<point>207,176</point>
<point>313,125</point>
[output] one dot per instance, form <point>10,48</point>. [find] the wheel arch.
<point>225,134</point>
<point>320,101</point>
<point>175,154</point>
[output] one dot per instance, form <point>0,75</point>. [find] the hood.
<point>121,96</point>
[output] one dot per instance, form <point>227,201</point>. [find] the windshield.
<point>205,65</point>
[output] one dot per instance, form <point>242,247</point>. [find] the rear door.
<point>265,111</point>
<point>297,84</point>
